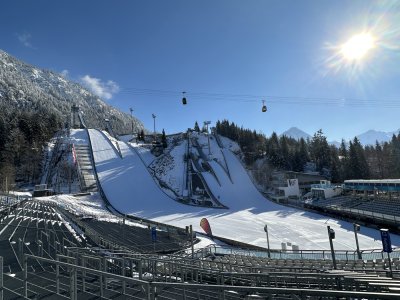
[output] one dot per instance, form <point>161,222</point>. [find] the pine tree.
<point>343,161</point>
<point>336,175</point>
<point>164,139</point>
<point>319,150</point>
<point>300,156</point>
<point>284,153</point>
<point>273,151</point>
<point>357,167</point>
<point>379,160</point>
<point>196,127</point>
<point>142,135</point>
<point>395,156</point>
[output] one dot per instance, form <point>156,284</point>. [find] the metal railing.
<point>70,281</point>
<point>391,219</point>
<point>345,255</point>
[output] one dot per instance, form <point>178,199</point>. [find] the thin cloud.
<point>25,39</point>
<point>104,90</point>
<point>65,73</point>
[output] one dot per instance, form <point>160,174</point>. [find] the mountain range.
<point>367,138</point>
<point>28,88</point>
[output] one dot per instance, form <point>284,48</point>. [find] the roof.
<point>372,181</point>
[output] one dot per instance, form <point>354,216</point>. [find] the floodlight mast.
<point>154,122</point>
<point>206,123</point>
<point>131,110</point>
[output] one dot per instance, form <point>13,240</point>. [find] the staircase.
<point>85,168</point>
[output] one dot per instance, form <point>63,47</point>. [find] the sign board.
<point>266,228</point>
<point>154,234</point>
<point>386,243</point>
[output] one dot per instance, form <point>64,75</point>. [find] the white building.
<point>325,190</point>
<point>288,189</point>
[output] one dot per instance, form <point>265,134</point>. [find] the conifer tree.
<point>164,139</point>
<point>142,135</point>
<point>196,127</point>
<point>319,150</point>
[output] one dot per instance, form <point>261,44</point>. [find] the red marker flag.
<point>206,226</point>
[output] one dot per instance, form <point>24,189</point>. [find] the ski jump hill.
<point>131,189</point>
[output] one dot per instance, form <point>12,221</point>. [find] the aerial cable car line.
<point>354,102</point>
<point>291,100</point>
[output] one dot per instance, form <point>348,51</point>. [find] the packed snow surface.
<point>78,136</point>
<point>131,189</point>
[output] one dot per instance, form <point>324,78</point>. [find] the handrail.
<point>390,220</point>
<point>302,254</point>
<point>152,286</point>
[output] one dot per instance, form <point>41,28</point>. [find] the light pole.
<point>357,229</point>
<point>266,231</point>
<point>154,122</point>
<point>206,123</point>
<point>131,110</point>
<point>191,240</point>
<point>331,235</point>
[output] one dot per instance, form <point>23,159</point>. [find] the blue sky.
<point>142,54</point>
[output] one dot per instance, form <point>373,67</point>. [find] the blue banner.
<point>154,233</point>
<point>386,243</point>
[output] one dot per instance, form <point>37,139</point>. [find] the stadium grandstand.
<point>43,258</point>
<point>371,201</point>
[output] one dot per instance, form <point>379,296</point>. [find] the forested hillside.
<point>350,161</point>
<point>34,104</point>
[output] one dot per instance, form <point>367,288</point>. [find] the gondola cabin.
<point>264,107</point>
<point>184,101</point>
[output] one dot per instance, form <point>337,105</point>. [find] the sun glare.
<point>357,46</point>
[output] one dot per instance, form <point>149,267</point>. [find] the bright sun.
<point>357,46</point>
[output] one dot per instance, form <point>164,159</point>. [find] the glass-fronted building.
<point>361,185</point>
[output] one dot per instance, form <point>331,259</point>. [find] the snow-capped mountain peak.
<point>296,133</point>
<point>371,136</point>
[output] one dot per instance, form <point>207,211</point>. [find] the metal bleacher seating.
<point>383,208</point>
<point>42,258</point>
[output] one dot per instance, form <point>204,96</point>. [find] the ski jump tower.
<point>76,118</point>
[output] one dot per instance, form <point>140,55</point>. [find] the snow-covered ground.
<point>87,206</point>
<point>78,137</point>
<point>131,189</point>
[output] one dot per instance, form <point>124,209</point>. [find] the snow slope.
<point>131,189</point>
<point>78,136</point>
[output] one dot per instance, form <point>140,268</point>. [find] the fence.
<point>69,280</point>
<point>344,255</point>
